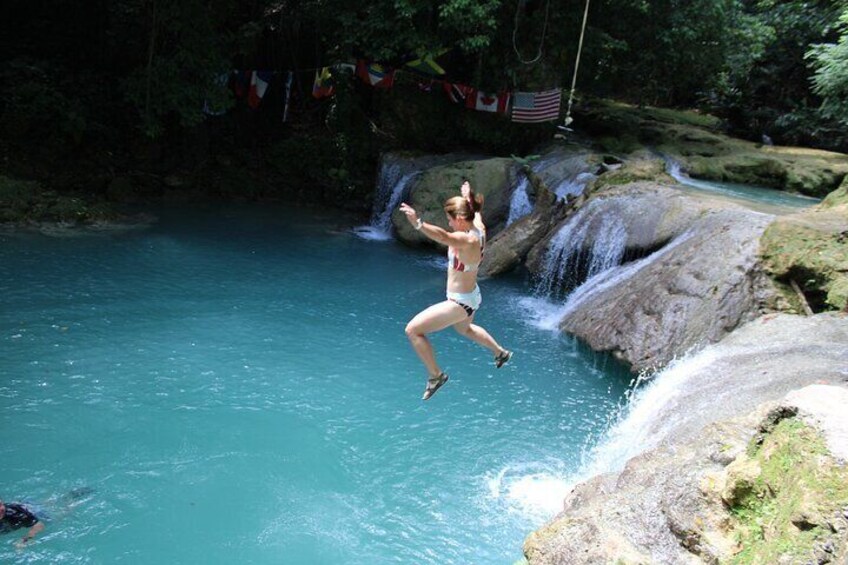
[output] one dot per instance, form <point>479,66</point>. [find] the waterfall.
<point>651,413</point>
<point>574,186</point>
<point>567,262</point>
<point>519,204</point>
<point>390,188</point>
<point>611,277</point>
<point>551,168</point>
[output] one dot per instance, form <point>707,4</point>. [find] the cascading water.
<point>574,186</point>
<point>568,262</point>
<point>390,188</point>
<point>568,176</point>
<point>519,204</point>
<point>648,415</point>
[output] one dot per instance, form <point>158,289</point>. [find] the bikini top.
<point>453,259</point>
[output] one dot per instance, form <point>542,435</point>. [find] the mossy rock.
<point>739,168</point>
<point>695,140</point>
<point>781,517</point>
<point>636,170</point>
<point>811,248</point>
<point>24,202</point>
<point>489,177</point>
<point>838,198</point>
<point>809,172</point>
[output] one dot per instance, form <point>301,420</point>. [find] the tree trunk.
<point>151,50</point>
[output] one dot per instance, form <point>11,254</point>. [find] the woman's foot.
<point>502,358</point>
<point>434,384</point>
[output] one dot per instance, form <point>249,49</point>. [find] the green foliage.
<point>337,162</point>
<point>766,89</point>
<point>26,201</point>
<point>830,81</point>
<point>36,109</point>
<point>185,55</point>
<point>108,73</point>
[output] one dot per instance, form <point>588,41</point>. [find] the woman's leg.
<point>477,334</point>
<point>436,317</point>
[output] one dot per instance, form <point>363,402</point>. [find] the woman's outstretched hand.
<point>411,215</point>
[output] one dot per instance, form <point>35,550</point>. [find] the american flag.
<point>532,107</point>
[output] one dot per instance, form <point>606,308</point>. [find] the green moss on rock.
<point>813,253</point>
<point>23,202</point>
<point>783,513</point>
<point>695,139</point>
<point>634,171</point>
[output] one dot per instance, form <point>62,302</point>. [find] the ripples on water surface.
<point>236,386</point>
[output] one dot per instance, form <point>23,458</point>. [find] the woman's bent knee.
<point>412,331</point>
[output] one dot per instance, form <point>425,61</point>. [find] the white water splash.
<point>535,491</point>
<point>390,188</point>
<point>651,415</point>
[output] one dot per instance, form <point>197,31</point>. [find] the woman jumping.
<point>465,251</point>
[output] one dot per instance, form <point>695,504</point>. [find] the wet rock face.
<point>711,480</point>
<point>700,280</point>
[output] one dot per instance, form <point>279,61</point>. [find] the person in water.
<point>465,252</point>
<point>16,516</point>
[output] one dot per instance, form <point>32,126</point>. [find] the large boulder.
<point>490,177</point>
<point>810,248</point>
<point>696,274</point>
<point>713,440</point>
<point>699,287</point>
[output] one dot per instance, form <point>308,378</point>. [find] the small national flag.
<point>534,107</point>
<point>425,63</point>
<point>374,74</point>
<point>258,85</point>
<point>458,93</point>
<point>488,102</point>
<point>324,84</point>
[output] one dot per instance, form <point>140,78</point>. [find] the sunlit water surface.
<point>234,386</point>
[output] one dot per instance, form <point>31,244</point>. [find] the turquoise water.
<point>778,200</point>
<point>235,385</point>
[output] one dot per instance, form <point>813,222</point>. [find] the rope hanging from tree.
<point>568,118</point>
<point>541,41</point>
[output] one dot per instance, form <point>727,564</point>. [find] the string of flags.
<point>522,107</point>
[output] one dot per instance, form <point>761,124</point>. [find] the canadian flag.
<point>488,102</point>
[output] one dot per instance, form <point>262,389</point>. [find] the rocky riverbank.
<point>722,285</point>
<point>730,473</point>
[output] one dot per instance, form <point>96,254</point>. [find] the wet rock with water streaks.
<point>669,504</point>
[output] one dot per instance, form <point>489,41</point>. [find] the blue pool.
<point>233,385</point>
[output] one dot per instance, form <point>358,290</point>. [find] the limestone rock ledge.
<point>701,278</point>
<point>770,486</point>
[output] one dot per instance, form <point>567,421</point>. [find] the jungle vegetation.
<point>91,90</point>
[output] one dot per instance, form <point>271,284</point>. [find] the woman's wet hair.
<point>459,207</point>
